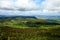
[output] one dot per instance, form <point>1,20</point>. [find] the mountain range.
<point>38,16</point>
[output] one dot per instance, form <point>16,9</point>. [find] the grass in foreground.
<point>8,33</point>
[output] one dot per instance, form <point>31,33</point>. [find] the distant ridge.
<point>36,17</point>
<point>4,16</point>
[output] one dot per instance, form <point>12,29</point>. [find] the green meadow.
<point>29,29</point>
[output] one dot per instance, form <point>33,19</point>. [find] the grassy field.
<point>29,29</point>
<point>28,22</point>
<point>8,33</point>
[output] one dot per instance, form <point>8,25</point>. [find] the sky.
<point>30,7</point>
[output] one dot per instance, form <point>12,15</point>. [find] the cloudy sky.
<point>30,7</point>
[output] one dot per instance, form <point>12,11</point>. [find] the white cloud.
<point>16,12</point>
<point>52,6</point>
<point>28,7</point>
<point>52,3</point>
<point>18,7</point>
<point>18,4</point>
<point>5,3</point>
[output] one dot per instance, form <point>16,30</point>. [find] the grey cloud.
<point>19,9</point>
<point>6,9</point>
<point>26,9</point>
<point>57,4</point>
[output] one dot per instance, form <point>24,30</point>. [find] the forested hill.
<point>13,17</point>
